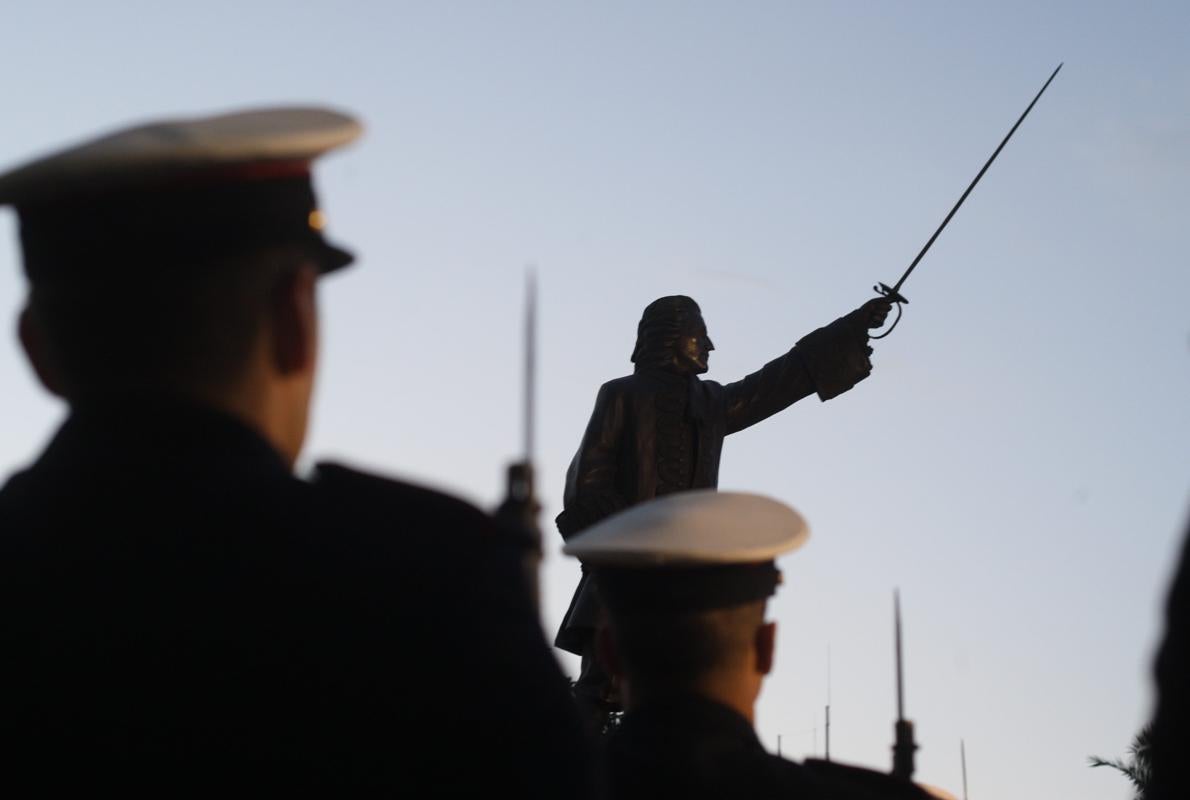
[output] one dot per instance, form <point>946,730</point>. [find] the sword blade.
<point>530,362</point>
<point>900,678</point>
<point>945,222</point>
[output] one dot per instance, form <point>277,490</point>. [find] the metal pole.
<point>828,702</point>
<point>828,732</point>
<point>963,758</point>
<point>900,677</point>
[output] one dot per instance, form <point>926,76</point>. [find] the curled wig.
<point>660,327</point>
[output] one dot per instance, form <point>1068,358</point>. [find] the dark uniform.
<point>1171,724</point>
<point>690,747</point>
<point>181,614</point>
<point>683,579</point>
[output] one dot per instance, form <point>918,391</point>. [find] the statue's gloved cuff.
<point>837,355</point>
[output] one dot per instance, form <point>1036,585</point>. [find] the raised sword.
<point>893,292</point>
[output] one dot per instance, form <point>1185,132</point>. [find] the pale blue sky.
<point>1017,463</point>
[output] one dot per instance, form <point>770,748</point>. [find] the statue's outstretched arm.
<point>775,386</point>
<point>828,361</point>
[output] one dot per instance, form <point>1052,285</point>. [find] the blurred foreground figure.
<point>1170,779</point>
<point>181,614</point>
<point>660,430</point>
<point>685,580</point>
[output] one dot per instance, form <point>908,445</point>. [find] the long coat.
<point>617,463</point>
<point>182,615</point>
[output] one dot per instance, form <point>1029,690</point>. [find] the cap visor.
<point>333,258</point>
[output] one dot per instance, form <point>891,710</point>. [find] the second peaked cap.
<point>703,527</point>
<point>689,552</point>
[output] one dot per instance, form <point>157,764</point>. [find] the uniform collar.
<point>165,431</point>
<point>689,718</point>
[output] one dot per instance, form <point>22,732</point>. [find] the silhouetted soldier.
<point>1171,725</point>
<point>179,612</point>
<point>685,580</point>
<point>661,430</point>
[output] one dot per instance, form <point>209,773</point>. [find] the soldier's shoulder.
<point>12,497</point>
<point>12,485</point>
<point>382,500</point>
<point>860,782</point>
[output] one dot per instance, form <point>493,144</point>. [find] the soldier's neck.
<point>737,692</point>
<point>276,407</point>
<point>277,411</point>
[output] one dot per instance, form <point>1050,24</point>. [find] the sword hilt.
<point>889,292</point>
<point>896,297</point>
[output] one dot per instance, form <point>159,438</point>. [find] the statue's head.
<point>672,335</point>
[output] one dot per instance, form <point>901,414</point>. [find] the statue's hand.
<point>875,311</point>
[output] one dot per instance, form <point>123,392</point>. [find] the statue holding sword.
<point>660,430</point>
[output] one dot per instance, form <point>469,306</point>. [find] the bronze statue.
<point>660,430</point>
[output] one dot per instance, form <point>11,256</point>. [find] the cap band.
<point>678,590</point>
<point>153,227</point>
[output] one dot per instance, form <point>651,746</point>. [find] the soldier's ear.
<point>295,322</point>
<point>766,647</point>
<point>34,344</point>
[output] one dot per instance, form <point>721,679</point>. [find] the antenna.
<point>900,660</point>
<point>827,755</point>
